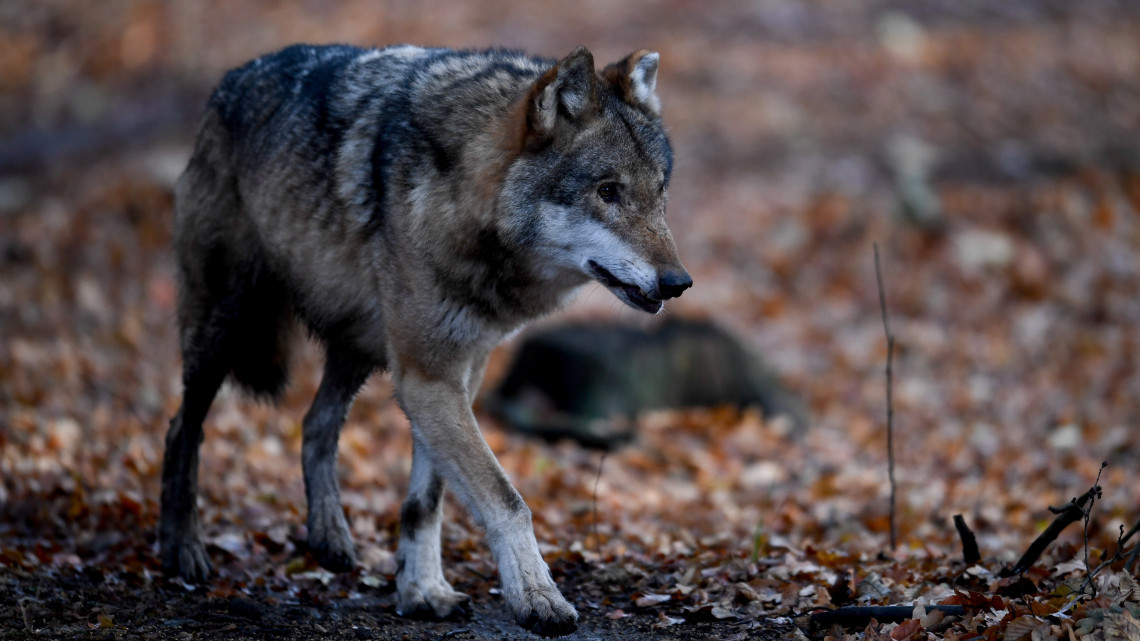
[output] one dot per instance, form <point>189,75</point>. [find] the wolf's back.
<point>324,90</point>
<point>281,99</point>
<point>351,122</point>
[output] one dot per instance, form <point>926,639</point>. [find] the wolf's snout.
<point>672,283</point>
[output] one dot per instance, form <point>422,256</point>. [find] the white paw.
<point>431,599</point>
<point>545,612</point>
<point>530,592</point>
<point>422,591</point>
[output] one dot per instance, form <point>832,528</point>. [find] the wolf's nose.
<point>671,284</point>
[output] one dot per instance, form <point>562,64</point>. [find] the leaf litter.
<point>1014,308</point>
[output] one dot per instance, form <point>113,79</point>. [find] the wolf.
<point>410,207</point>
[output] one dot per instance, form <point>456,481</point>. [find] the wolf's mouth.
<point>629,293</point>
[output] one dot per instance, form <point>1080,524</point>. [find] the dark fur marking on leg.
<point>411,513</point>
<point>434,493</point>
<point>510,496</point>
<point>417,508</point>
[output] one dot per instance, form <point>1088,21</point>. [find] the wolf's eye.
<point>609,193</point>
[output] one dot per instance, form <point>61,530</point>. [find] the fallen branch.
<point>1131,562</point>
<point>970,553</point>
<point>859,615</point>
<point>1066,516</point>
<point>890,404</point>
<point>1128,535</point>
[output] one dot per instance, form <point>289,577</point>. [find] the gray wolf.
<point>410,207</point>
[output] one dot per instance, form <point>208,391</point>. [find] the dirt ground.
<point>168,611</point>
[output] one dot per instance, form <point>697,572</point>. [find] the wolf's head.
<point>592,175</point>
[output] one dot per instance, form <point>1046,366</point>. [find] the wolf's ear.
<point>634,79</point>
<point>567,90</point>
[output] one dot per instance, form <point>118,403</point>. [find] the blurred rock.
<point>588,382</point>
<point>165,164</point>
<point>1029,273</point>
<point>901,36</point>
<point>980,248</point>
<point>1066,437</point>
<point>15,194</point>
<point>912,161</point>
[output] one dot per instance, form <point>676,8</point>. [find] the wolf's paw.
<point>331,547</point>
<point>530,591</point>
<point>432,600</point>
<point>549,614</point>
<point>185,556</point>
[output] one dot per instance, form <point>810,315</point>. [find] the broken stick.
<point>1066,516</point>
<point>970,553</point>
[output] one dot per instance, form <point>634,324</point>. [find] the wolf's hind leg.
<point>423,592</point>
<point>179,534</point>
<point>329,539</point>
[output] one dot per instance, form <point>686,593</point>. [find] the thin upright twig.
<point>598,539</point>
<point>24,611</point>
<point>890,404</point>
<point>1119,555</point>
<point>1093,496</point>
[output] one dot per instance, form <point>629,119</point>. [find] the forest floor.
<point>991,150</point>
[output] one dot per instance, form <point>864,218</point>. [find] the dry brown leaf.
<point>909,629</point>
<point>1121,626</point>
<point>1025,628</point>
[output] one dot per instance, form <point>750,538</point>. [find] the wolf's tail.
<point>234,310</point>
<point>259,340</point>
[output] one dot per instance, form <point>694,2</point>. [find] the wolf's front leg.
<point>444,426</point>
<point>423,592</point>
